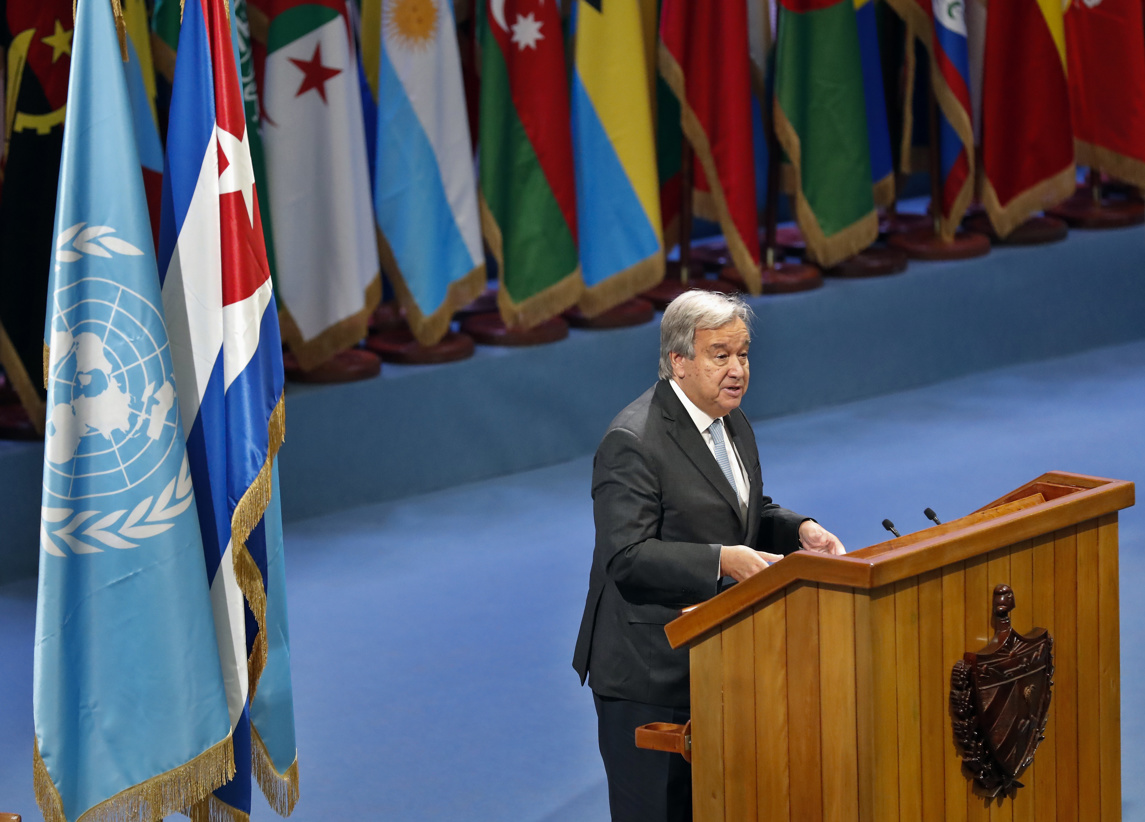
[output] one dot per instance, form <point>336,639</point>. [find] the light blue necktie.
<point>716,429</point>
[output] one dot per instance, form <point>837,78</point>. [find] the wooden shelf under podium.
<point>821,687</point>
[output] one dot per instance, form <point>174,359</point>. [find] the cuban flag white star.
<point>239,173</point>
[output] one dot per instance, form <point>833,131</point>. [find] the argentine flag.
<point>227,355</point>
<point>130,712</point>
<point>425,194</point>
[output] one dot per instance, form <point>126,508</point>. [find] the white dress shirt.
<point>702,421</point>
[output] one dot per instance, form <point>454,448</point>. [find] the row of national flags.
<point>162,657</point>
<point>369,165</point>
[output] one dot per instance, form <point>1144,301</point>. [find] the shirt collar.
<point>701,420</point>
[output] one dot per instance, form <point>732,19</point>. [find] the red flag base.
<point>1034,231</point>
<point>488,329</point>
<point>633,312</point>
<point>399,346</point>
<point>782,278</point>
<point>486,303</point>
<point>387,316</point>
<point>877,261</point>
<point>715,256</point>
<point>15,425</point>
<point>671,288</point>
<point>924,244</point>
<point>350,365</point>
<point>1082,211</point>
<point>900,222</point>
<point>790,241</point>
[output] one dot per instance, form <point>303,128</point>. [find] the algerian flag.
<point>319,180</point>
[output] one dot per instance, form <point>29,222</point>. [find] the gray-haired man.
<point>679,505</point>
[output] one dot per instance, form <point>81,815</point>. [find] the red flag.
<point>1106,52</point>
<point>704,59</point>
<point>1027,145</point>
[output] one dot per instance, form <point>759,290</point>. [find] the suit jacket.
<point>663,508</point>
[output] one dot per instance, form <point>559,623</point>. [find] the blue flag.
<point>130,712</point>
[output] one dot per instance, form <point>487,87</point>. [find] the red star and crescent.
<point>314,74</point>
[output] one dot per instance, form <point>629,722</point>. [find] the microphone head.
<point>930,513</point>
<point>890,526</point>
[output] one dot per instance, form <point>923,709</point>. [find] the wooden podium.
<point>821,686</point>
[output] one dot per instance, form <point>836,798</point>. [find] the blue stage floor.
<point>432,635</point>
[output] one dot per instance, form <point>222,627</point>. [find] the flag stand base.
<point>489,329</point>
<point>398,345</point>
<point>486,303</point>
<point>877,261</point>
<point>15,425</point>
<point>715,257</point>
<point>387,316</point>
<point>924,244</point>
<point>1083,211</point>
<point>636,311</point>
<point>350,365</point>
<point>900,222</point>
<point>672,287</point>
<point>782,278</point>
<point>1034,231</point>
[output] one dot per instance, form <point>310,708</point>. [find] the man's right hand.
<point>740,562</point>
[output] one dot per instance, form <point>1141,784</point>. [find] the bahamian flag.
<point>130,711</point>
<point>614,148</point>
<point>425,194</point>
<point>820,113</point>
<point>227,353</point>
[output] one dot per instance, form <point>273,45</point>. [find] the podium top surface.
<point>1052,501</point>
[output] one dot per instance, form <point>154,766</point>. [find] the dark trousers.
<point>643,786</point>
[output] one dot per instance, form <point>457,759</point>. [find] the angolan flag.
<point>227,354</point>
<point>527,186</point>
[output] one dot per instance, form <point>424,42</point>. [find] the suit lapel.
<point>744,438</point>
<point>684,433</point>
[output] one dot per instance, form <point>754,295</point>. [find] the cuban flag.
<point>227,355</point>
<point>950,76</point>
<point>130,711</point>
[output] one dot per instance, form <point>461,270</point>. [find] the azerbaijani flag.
<point>1107,86</point>
<point>618,207</point>
<point>1027,143</point>
<point>527,184</point>
<point>425,194</point>
<point>820,116</point>
<point>941,26</point>
<point>704,60</point>
<point>130,712</point>
<point>227,354</point>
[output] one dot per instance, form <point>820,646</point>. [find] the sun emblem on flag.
<point>411,23</point>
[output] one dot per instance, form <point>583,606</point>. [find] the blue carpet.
<point>432,635</point>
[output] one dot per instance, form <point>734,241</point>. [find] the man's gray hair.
<point>694,311</point>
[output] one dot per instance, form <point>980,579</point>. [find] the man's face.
<point>715,379</point>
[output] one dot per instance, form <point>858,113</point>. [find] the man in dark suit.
<point>679,506</point>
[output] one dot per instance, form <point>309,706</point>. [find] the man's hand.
<point>740,562</point>
<point>817,538</point>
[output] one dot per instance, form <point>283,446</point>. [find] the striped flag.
<point>941,26</point>
<point>425,194</point>
<point>618,208</point>
<point>1026,140</point>
<point>130,711</point>
<point>704,59</point>
<point>1107,86</point>
<point>527,184</point>
<point>315,142</point>
<point>227,355</point>
<point>820,115</point>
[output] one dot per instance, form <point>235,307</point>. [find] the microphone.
<point>930,515</point>
<point>890,526</point>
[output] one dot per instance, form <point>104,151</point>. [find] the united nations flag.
<point>130,711</point>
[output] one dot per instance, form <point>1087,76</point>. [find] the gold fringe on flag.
<point>534,310</point>
<point>248,513</point>
<point>623,286</point>
<point>120,27</point>
<point>167,793</point>
<point>1129,169</point>
<point>280,789</point>
<point>1045,194</point>
<point>741,255</point>
<point>213,809</point>
<point>428,329</point>
<point>341,335</point>
<point>824,250</point>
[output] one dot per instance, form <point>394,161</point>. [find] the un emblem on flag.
<point>112,424</point>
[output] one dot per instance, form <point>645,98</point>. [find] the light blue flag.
<point>130,713</point>
<point>425,192</point>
